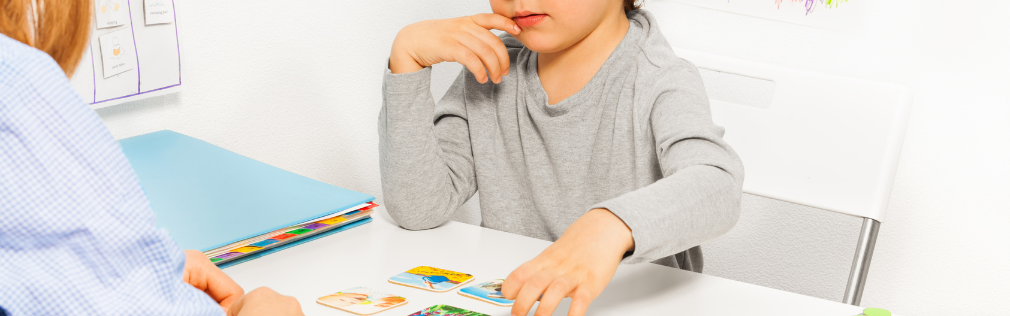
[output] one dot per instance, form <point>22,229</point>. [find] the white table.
<point>370,254</point>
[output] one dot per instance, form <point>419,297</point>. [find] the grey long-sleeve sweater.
<point>638,140</point>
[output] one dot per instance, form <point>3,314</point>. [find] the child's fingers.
<point>496,44</point>
<point>515,280</point>
<point>531,291</point>
<point>554,294</point>
<point>486,54</point>
<point>497,22</point>
<point>580,302</point>
<point>468,59</point>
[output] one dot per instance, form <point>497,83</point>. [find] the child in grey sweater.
<point>591,133</point>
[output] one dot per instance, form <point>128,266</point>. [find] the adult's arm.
<point>76,233</point>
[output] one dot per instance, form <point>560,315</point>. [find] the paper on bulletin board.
<point>132,55</point>
<point>840,15</point>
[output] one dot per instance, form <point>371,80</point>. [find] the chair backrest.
<point>809,138</point>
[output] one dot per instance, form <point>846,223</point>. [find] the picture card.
<point>441,310</point>
<point>362,300</point>
<point>109,13</point>
<point>117,52</point>
<point>158,12</point>
<point>489,291</point>
<point>431,279</point>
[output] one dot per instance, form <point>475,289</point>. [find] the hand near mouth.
<point>466,40</point>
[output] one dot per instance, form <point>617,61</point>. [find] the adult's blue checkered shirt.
<point>77,235</point>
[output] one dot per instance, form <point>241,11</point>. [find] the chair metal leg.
<point>861,262</point>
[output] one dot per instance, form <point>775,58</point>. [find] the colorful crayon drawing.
<point>433,279</point>
<point>811,4</point>
<point>446,310</point>
<point>839,15</point>
<point>488,291</point>
<point>362,300</point>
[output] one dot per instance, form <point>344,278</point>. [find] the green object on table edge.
<point>876,312</point>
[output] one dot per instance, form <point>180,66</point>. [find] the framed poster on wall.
<point>134,53</point>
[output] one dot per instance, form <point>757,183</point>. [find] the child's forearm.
<point>427,168</point>
<point>683,210</point>
<point>698,197</point>
<point>602,223</point>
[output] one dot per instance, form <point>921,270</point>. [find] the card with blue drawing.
<point>489,291</point>
<point>362,300</point>
<point>431,279</point>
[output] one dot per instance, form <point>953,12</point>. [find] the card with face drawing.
<point>362,300</point>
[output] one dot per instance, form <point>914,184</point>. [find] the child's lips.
<point>529,20</point>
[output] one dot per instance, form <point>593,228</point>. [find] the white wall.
<point>942,248</point>
<point>297,85</point>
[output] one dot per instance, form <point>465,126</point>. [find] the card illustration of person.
<point>362,300</point>
<point>117,51</point>
<point>115,48</point>
<point>431,279</point>
<point>109,13</point>
<point>446,310</point>
<point>489,291</point>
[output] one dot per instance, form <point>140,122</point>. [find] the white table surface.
<point>368,255</point>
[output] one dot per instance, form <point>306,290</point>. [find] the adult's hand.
<point>266,302</point>
<point>579,265</point>
<point>207,277</point>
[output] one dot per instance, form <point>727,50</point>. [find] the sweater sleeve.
<point>425,156</point>
<point>698,198</point>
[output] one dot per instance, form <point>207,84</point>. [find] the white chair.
<point>814,139</point>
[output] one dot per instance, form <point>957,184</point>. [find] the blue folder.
<point>208,197</point>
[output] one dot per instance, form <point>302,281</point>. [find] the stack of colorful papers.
<point>290,235</point>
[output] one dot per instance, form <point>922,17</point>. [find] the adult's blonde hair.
<point>61,28</point>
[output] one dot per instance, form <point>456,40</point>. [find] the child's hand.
<point>579,265</point>
<point>466,40</point>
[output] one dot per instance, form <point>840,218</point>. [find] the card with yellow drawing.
<point>431,279</point>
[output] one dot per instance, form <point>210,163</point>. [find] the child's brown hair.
<point>58,27</point>
<point>630,5</point>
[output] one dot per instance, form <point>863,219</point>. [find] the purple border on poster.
<point>136,53</point>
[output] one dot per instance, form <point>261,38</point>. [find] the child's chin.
<point>541,43</point>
